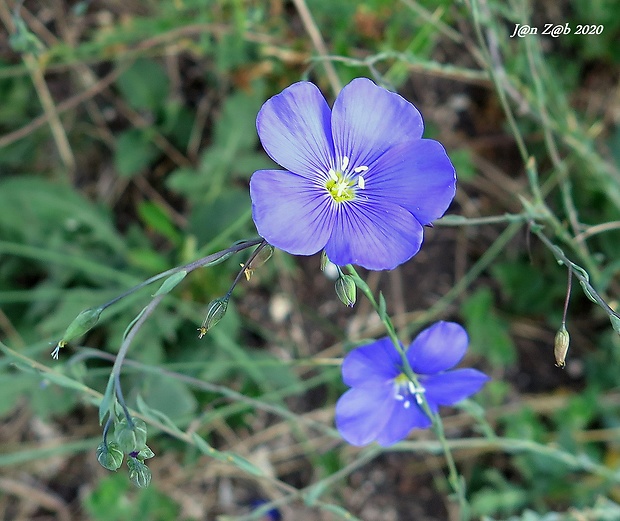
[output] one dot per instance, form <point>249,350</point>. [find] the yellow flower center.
<point>342,184</point>
<point>405,390</point>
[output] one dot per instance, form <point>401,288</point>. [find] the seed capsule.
<point>560,349</point>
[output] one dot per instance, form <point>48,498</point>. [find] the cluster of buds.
<point>130,440</point>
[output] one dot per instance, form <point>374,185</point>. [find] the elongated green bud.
<point>324,260</point>
<point>560,349</point>
<point>81,325</point>
<point>215,312</point>
<point>130,439</point>
<point>139,473</point>
<point>346,290</point>
<point>110,456</point>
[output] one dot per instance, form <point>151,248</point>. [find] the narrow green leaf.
<point>615,323</point>
<point>382,307</point>
<point>130,325</point>
<point>170,283</point>
<point>106,402</point>
<point>226,457</point>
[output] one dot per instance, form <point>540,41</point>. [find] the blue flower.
<point>360,182</point>
<point>383,405</point>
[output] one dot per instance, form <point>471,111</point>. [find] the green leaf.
<point>107,401</point>
<point>157,218</point>
<point>157,416</point>
<point>170,283</point>
<point>168,396</point>
<point>144,85</point>
<point>488,333</point>
<point>134,151</point>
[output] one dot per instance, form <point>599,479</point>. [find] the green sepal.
<point>145,453</point>
<point>139,474</point>
<point>130,439</point>
<point>110,456</point>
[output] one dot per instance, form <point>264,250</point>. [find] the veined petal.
<point>361,414</point>
<point>291,212</point>
<point>295,130</point>
<point>374,235</point>
<point>368,120</point>
<point>452,387</point>
<point>416,175</point>
<point>401,421</point>
<point>372,365</point>
<point>438,348</point>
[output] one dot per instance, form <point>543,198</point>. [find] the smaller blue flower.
<point>383,405</point>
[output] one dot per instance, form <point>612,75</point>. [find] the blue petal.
<point>290,211</point>
<point>295,130</point>
<point>374,235</point>
<point>453,386</point>
<point>438,348</point>
<point>368,120</point>
<point>372,365</point>
<point>361,414</point>
<point>416,175</point>
<point>401,421</point>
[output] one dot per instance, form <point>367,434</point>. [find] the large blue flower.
<point>383,405</point>
<point>360,182</point>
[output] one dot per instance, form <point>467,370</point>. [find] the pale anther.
<point>361,182</point>
<point>345,163</point>
<point>332,174</point>
<point>407,404</point>
<point>359,169</point>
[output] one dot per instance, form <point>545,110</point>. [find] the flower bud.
<point>324,260</point>
<point>215,312</point>
<point>81,324</point>
<point>110,456</point>
<point>560,349</point>
<point>139,473</point>
<point>346,290</point>
<point>130,439</point>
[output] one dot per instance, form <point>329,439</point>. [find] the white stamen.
<point>407,404</point>
<point>399,397</point>
<point>411,386</point>
<point>332,174</point>
<point>345,163</point>
<point>360,169</point>
<point>418,398</point>
<point>361,182</point>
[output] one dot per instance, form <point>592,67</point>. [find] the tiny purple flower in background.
<point>360,182</point>
<point>383,405</point>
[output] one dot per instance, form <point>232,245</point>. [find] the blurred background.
<point>127,139</point>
